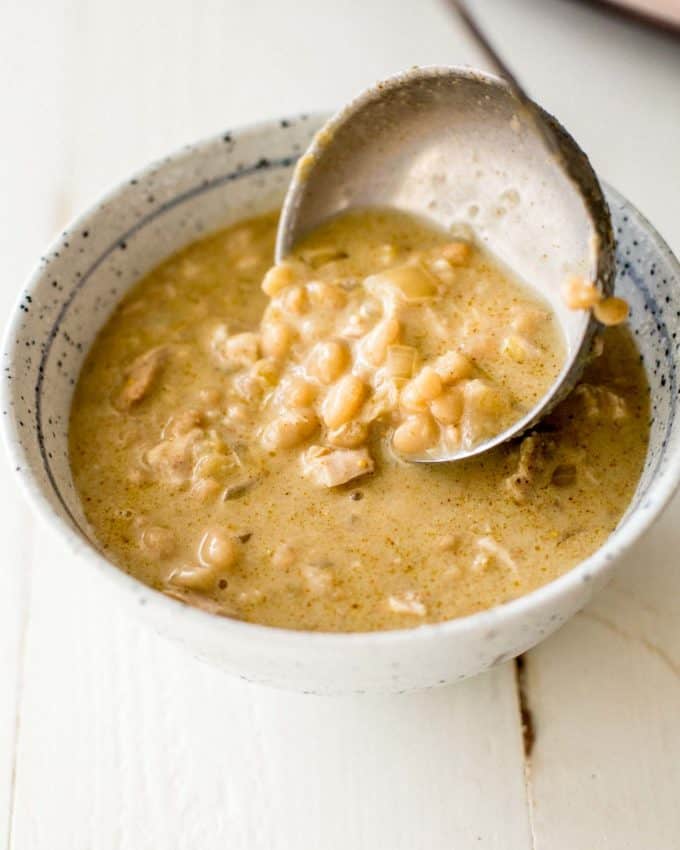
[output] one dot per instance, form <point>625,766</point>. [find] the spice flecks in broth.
<point>186,489</point>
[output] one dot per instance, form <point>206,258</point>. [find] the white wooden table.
<point>112,739</point>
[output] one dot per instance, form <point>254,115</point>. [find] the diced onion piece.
<point>401,360</point>
<point>412,283</point>
<point>485,407</point>
<point>374,346</point>
<point>517,348</point>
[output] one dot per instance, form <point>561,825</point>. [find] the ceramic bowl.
<point>209,186</point>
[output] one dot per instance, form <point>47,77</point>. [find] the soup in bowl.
<point>182,428</point>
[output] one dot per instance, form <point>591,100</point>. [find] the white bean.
<point>343,402</point>
<point>328,360</point>
<point>278,278</point>
<point>295,300</point>
<point>217,549</point>
<point>297,392</point>
<point>448,407</point>
<point>425,387</point>
<point>289,430</point>
<point>374,346</point>
<point>277,337</point>
<point>611,311</point>
<point>326,295</point>
<point>416,434</point>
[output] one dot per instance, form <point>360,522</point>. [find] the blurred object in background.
<point>663,13</point>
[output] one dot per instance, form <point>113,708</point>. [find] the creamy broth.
<point>208,466</point>
<point>428,333</point>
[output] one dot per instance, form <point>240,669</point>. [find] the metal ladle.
<point>464,148</point>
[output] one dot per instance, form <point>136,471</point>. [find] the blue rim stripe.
<point>260,165</point>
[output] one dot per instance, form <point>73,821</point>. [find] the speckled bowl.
<point>190,194</point>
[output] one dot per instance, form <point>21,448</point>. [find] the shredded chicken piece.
<point>535,467</point>
<point>330,467</point>
<point>317,579</point>
<point>490,550</point>
<point>183,422</point>
<point>601,403</point>
<point>234,351</point>
<point>173,459</point>
<point>140,376</point>
<point>406,603</point>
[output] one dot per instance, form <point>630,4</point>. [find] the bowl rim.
<point>663,487</point>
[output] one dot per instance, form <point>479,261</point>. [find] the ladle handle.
<point>499,66</point>
<point>574,165</point>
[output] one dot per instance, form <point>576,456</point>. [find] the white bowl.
<point>192,193</point>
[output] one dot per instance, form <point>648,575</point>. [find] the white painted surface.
<point>605,693</point>
<point>109,738</point>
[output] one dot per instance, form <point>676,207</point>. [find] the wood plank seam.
<point>526,719</point>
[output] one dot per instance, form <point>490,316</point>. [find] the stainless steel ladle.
<point>464,148</point>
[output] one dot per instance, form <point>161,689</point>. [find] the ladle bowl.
<point>455,146</point>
